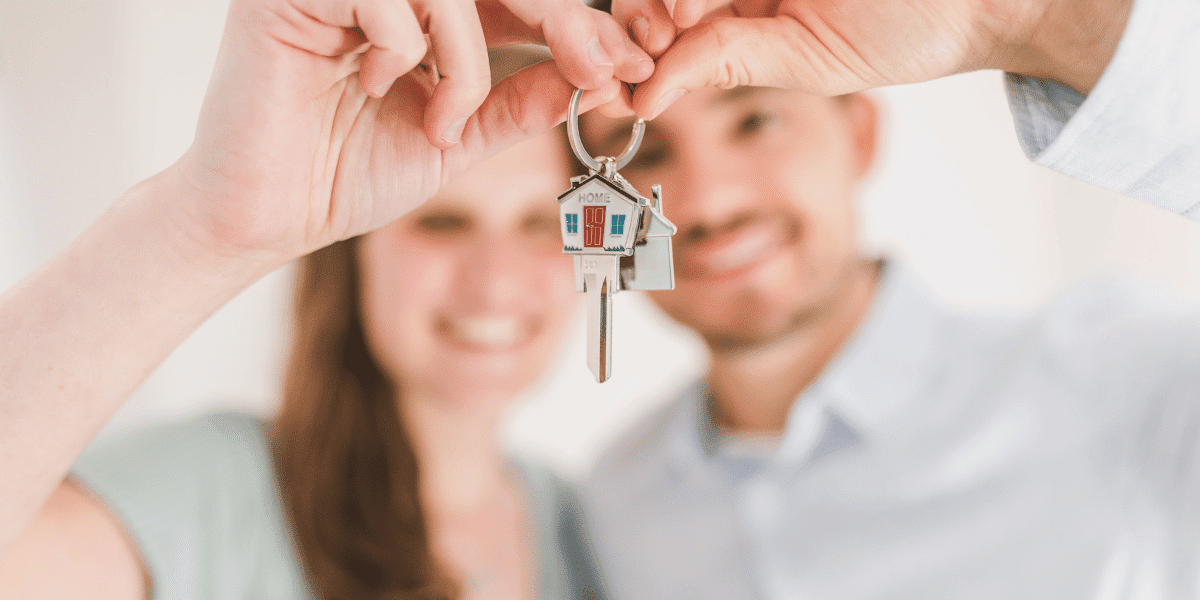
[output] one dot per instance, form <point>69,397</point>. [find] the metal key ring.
<point>639,128</point>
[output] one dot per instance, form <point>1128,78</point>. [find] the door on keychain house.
<point>593,226</point>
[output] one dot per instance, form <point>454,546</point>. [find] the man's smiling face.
<point>761,183</point>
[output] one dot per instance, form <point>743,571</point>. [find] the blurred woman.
<point>382,476</point>
<point>410,342</point>
<point>323,120</point>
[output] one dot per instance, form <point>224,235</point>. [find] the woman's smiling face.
<point>465,299</point>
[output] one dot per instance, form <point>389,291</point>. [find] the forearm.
<point>84,330</point>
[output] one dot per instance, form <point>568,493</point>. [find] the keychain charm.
<point>619,239</point>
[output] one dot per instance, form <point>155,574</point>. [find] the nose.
<point>494,273</point>
<point>709,187</point>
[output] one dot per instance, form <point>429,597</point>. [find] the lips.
<point>487,333</point>
<point>734,249</point>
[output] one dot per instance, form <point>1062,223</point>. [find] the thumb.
<point>728,52</point>
<point>521,106</point>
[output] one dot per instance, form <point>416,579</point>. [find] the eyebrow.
<point>732,95</point>
<point>735,94</point>
<point>620,132</point>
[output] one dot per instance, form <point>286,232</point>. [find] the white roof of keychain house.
<point>600,193</point>
<point>597,180</point>
<point>660,226</point>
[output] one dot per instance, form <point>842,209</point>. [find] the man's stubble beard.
<point>800,320</point>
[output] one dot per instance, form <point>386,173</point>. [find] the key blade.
<point>599,324</point>
<point>601,285</point>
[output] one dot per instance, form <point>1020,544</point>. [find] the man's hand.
<point>326,119</point>
<point>838,46</point>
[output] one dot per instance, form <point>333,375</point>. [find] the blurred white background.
<point>98,94</point>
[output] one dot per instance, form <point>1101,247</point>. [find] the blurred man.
<point>856,438</point>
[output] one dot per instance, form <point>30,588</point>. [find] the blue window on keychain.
<point>618,224</point>
<point>572,223</point>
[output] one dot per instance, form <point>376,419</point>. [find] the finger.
<point>397,44</point>
<point>619,107</point>
<point>570,30</point>
<point>502,28</point>
<point>337,28</point>
<point>322,29</point>
<point>630,63</point>
<point>731,52</point>
<point>689,12</point>
<point>462,62</point>
<point>648,22</point>
<point>529,102</point>
<point>752,8</point>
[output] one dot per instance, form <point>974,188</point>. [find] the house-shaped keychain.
<point>618,239</point>
<point>604,217</point>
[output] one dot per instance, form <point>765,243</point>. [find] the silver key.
<point>600,282</point>
<point>618,239</point>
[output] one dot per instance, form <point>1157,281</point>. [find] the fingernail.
<point>670,7</point>
<point>639,28</point>
<point>382,89</point>
<point>454,131</point>
<point>638,55</point>
<point>599,57</point>
<point>667,101</point>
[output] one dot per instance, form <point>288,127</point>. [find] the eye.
<point>650,157</point>
<point>753,123</point>
<point>542,226</point>
<point>442,223</point>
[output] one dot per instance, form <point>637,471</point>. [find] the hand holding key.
<point>828,48</point>
<point>619,239</point>
<point>326,119</point>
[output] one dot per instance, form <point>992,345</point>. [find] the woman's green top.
<point>200,501</point>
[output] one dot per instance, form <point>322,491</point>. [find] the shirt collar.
<point>895,353</point>
<point>871,381</point>
<point>691,436</point>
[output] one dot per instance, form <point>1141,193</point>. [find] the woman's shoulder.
<point>200,500</point>
<point>213,449</point>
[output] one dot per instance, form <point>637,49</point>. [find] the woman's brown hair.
<point>345,464</point>
<point>346,467</point>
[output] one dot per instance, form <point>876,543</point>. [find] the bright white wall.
<point>96,95</point>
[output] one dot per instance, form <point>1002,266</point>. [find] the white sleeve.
<point>1138,131</point>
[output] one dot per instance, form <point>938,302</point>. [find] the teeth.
<point>490,332</point>
<point>741,253</point>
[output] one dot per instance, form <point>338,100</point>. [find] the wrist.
<point>1069,41</point>
<point>172,211</point>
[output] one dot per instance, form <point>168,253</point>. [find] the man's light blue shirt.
<point>942,454</point>
<point>953,455</point>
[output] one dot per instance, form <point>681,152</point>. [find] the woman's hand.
<point>325,120</point>
<point>838,46</point>
<point>316,127</point>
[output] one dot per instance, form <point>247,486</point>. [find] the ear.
<point>863,112</point>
